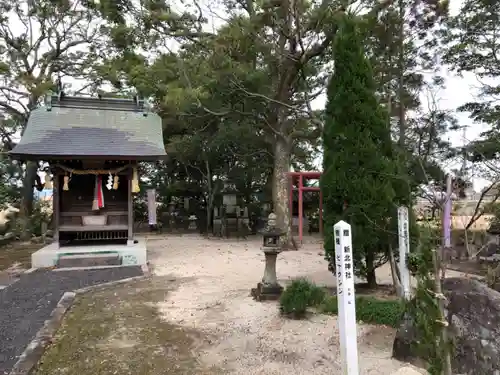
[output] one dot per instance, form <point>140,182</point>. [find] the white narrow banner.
<point>345,298</point>
<point>151,206</point>
<point>404,249</point>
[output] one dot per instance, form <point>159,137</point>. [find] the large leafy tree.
<point>256,75</point>
<point>209,124</point>
<point>242,93</point>
<point>268,58</point>
<point>473,46</point>
<point>358,166</point>
<point>41,41</point>
<point>401,43</point>
<point>10,172</point>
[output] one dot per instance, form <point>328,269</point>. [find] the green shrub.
<point>300,295</point>
<point>317,295</point>
<point>370,310</point>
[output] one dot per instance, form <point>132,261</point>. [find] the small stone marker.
<point>404,249</point>
<point>151,199</point>
<point>44,230</point>
<point>192,222</point>
<point>345,298</point>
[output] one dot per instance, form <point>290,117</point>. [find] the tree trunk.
<point>395,274</point>
<point>210,196</point>
<point>371,279</point>
<point>26,208</point>
<point>281,206</point>
<point>210,209</point>
<point>445,342</point>
<point>466,245</point>
<point>210,206</point>
<point>268,187</point>
<point>401,79</point>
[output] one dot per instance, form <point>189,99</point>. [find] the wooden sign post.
<point>404,249</point>
<point>346,299</point>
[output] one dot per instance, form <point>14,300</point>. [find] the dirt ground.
<point>15,258</point>
<point>17,253</point>
<point>196,316</point>
<point>250,337</point>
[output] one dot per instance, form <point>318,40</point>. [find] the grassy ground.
<point>17,252</point>
<point>118,331</point>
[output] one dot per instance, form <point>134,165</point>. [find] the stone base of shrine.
<point>133,254</point>
<point>266,292</point>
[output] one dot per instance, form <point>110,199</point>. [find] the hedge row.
<point>370,310</point>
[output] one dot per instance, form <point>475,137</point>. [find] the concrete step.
<point>82,260</point>
<point>63,269</point>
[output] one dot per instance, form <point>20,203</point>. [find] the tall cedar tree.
<point>358,164</point>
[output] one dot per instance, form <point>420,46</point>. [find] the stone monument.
<point>171,215</point>
<point>269,289</point>
<point>192,222</point>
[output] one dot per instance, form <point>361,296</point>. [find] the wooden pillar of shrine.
<point>56,186</point>
<point>130,208</point>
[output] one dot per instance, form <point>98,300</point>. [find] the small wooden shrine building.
<point>93,145</point>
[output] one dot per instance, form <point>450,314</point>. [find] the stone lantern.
<point>269,289</point>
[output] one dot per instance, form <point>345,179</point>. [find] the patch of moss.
<point>119,331</point>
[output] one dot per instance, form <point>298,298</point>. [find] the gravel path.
<point>27,303</point>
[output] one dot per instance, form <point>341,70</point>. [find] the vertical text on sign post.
<point>404,249</point>
<point>346,298</point>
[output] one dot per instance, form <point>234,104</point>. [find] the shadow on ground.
<point>118,331</point>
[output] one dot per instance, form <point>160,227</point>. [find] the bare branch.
<point>479,209</point>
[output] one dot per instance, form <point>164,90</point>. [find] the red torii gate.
<point>301,177</point>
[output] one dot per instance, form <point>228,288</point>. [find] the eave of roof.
<point>91,128</point>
